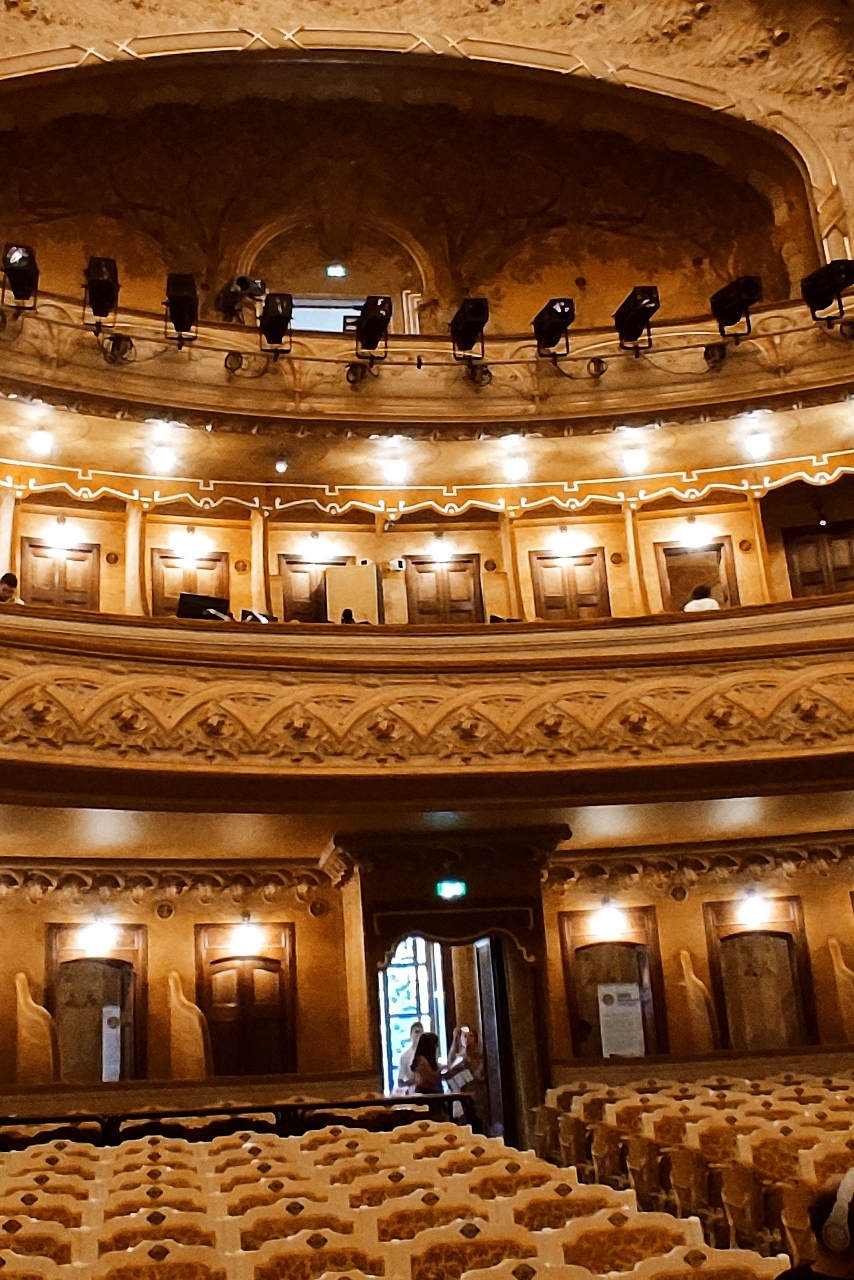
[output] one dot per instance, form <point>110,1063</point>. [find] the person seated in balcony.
<point>832,1220</point>
<point>701,600</point>
<point>9,589</point>
<point>348,617</point>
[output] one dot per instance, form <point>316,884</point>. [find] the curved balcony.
<point>132,711</point>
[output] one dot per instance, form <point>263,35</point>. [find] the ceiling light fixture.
<point>281,466</point>
<point>274,324</point>
<point>101,292</point>
<point>635,459</point>
<point>824,288</point>
<point>41,443</point>
<point>515,468</point>
<point>163,459</point>
<point>20,276</point>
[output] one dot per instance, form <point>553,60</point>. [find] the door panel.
<point>304,587</point>
<point>444,593</point>
<point>820,563</point>
<point>245,1016</point>
<point>567,587</point>
<point>63,579</point>
<point>205,575</point>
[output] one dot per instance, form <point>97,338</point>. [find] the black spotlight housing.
<point>274,323</point>
<point>731,304</point>
<point>101,290</point>
<point>182,305</point>
<point>372,325</point>
<point>633,315</point>
<point>551,327</point>
<point>823,289</point>
<point>467,327</point>
<point>20,274</point>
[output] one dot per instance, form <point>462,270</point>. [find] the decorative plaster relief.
<point>76,883</point>
<point>271,720</point>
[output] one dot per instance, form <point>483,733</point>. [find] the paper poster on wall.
<point>621,1020</point>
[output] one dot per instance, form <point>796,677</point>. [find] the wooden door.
<point>604,963</point>
<point>570,586</point>
<point>65,579</point>
<point>444,593</point>
<point>245,1016</point>
<point>681,569</point>
<point>171,573</point>
<point>820,563</point>
<point>304,587</point>
<point>762,996</point>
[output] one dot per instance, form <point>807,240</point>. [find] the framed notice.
<point>621,1020</point>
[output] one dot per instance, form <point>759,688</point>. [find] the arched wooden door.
<point>244,1015</point>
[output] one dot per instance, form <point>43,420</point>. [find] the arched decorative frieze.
<point>494,702</point>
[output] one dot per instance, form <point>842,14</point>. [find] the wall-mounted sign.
<point>621,1020</point>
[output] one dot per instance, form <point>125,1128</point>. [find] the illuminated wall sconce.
<point>97,939</point>
<point>315,548</point>
<point>757,445</point>
<point>41,443</point>
<point>568,542</point>
<point>395,470</point>
<point>440,551</point>
<point>190,545</point>
<point>635,460</point>
<point>753,910</point>
<point>248,939</point>
<point>609,923</point>
<point>695,535</point>
<point>515,468</point>
<point>62,537</point>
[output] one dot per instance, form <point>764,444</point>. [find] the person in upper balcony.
<point>9,589</point>
<point>701,600</point>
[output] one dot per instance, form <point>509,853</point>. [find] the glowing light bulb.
<point>693,534</point>
<point>315,548</point>
<point>754,910</point>
<point>395,470</point>
<point>247,939</point>
<point>757,445</point>
<point>163,459</point>
<point>569,542</point>
<point>609,922</point>
<point>281,465</point>
<point>440,552</point>
<point>515,468</point>
<point>41,443</point>
<point>190,545</point>
<point>635,459</point>
<point>98,938</point>
<point>61,536</point>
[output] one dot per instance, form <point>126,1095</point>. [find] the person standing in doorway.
<point>425,1064</point>
<point>405,1076</point>
<point>701,600</point>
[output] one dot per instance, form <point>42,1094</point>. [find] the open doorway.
<point>485,987</point>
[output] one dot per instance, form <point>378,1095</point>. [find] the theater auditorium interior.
<point>426,597</point>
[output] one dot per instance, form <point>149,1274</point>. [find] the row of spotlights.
<point>822,291</point>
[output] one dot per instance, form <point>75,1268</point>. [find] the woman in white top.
<point>701,600</point>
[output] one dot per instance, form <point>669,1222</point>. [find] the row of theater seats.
<point>745,1156</point>
<point>427,1201</point>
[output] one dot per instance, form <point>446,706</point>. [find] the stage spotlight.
<point>597,367</point>
<point>274,324</point>
<point>633,315</point>
<point>732,303</point>
<point>118,348</point>
<point>372,325</point>
<point>101,290</point>
<point>714,355</point>
<point>233,361</point>
<point>823,289</point>
<point>551,326</point>
<point>467,327</point>
<point>182,306</point>
<point>20,274</point>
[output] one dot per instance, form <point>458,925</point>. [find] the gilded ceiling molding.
<point>673,872</point>
<point>74,882</point>
<point>300,706</point>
